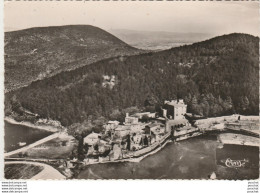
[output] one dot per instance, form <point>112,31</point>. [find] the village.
<point>139,134</point>
<point>145,133</point>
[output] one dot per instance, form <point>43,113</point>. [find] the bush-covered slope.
<point>37,53</point>
<point>215,77</point>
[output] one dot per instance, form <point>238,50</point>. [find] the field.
<point>54,149</point>
<point>21,171</point>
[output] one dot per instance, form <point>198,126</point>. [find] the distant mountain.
<point>158,40</point>
<point>37,53</point>
<point>215,77</point>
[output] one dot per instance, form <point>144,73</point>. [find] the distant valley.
<point>158,40</point>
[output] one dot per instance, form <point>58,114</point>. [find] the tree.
<point>116,115</point>
<point>244,104</point>
<point>85,148</point>
<point>99,122</point>
<point>145,118</point>
<point>228,106</point>
<point>195,108</point>
<point>131,110</point>
<point>150,101</point>
<point>205,107</point>
<point>16,105</point>
<point>81,155</point>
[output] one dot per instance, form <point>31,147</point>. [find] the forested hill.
<point>41,52</point>
<point>215,77</point>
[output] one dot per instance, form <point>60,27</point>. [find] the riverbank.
<point>188,159</point>
<point>125,160</point>
<point>136,158</point>
<point>31,125</point>
<point>238,139</point>
<point>36,143</point>
<point>203,126</point>
<point>194,158</point>
<point>219,123</point>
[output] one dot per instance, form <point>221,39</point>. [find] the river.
<point>194,158</point>
<point>15,133</point>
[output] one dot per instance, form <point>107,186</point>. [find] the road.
<point>25,148</point>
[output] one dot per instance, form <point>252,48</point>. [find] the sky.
<point>216,18</point>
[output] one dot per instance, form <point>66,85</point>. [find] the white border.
<point>1,89</point>
<point>107,186</point>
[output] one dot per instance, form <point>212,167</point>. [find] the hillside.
<point>37,53</point>
<point>215,77</point>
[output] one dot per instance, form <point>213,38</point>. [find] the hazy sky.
<point>175,16</point>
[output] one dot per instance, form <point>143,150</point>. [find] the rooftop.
<point>153,125</point>
<point>93,135</point>
<point>176,103</point>
<point>122,128</point>
<point>113,122</point>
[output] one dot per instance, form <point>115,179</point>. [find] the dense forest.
<point>216,77</point>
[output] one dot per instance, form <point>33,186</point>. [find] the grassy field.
<point>21,171</point>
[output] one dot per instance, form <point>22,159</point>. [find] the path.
<point>25,148</point>
<point>48,173</point>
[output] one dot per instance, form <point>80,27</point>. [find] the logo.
<point>236,163</point>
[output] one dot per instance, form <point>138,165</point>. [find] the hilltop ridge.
<point>37,53</point>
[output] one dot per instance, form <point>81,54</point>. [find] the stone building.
<point>175,109</point>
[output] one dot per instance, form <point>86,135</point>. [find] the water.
<point>194,158</point>
<point>19,133</point>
